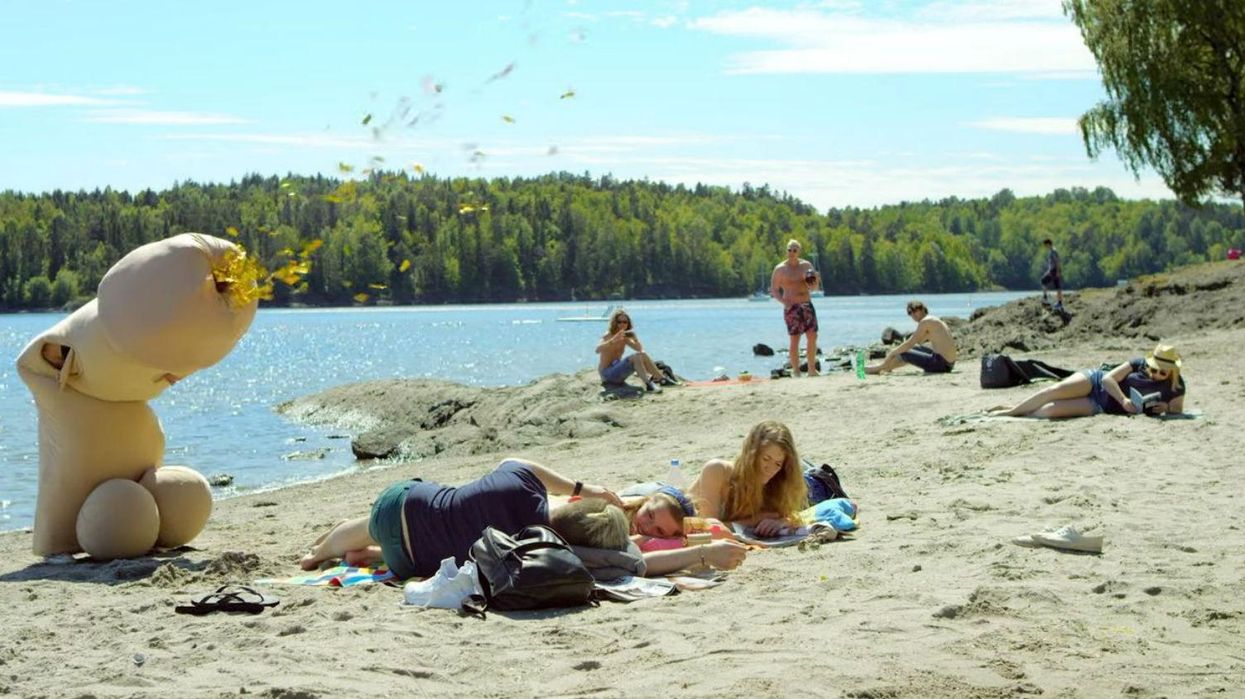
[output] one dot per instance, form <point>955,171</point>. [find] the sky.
<point>838,103</point>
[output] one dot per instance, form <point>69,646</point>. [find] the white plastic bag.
<point>445,590</point>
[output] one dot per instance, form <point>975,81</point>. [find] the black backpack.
<point>534,569</point>
<point>1001,371</point>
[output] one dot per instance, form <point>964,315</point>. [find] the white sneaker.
<point>1069,538</point>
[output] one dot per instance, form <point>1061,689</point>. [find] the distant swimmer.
<point>790,284</point>
<point>938,358</point>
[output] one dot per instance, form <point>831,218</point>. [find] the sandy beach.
<point>928,599</point>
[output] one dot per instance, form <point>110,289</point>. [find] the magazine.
<point>787,536</point>
<point>629,588</point>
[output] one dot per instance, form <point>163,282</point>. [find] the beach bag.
<point>534,569</point>
<point>668,377</point>
<point>1001,371</point>
<point>822,482</point>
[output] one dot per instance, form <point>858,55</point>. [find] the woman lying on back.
<point>1093,391</point>
<point>416,524</point>
<point>763,488</point>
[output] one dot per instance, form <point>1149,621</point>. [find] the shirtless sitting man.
<point>938,358</point>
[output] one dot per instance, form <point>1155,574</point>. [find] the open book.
<point>1143,402</point>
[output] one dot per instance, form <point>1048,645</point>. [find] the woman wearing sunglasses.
<point>1093,391</point>
<point>613,367</point>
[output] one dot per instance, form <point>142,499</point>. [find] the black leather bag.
<point>1001,371</point>
<point>534,569</point>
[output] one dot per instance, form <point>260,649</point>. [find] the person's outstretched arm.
<point>722,555</point>
<point>557,484</point>
<point>916,338</point>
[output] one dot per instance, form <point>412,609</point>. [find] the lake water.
<point>220,420</point>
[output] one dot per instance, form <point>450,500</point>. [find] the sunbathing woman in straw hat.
<point>416,524</point>
<point>1093,391</point>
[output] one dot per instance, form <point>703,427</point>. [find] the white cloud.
<point>146,116</point>
<point>1052,126</point>
<point>47,99</point>
<point>838,43</point>
<point>305,140</point>
<point>665,22</point>
<point>993,10</point>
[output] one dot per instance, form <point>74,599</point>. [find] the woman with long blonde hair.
<point>613,367</point>
<point>763,488</point>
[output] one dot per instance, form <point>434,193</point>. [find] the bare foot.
<point>1000,411</point>
<point>814,372</point>
<point>310,562</point>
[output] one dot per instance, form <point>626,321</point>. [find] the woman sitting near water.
<point>613,367</point>
<point>764,487</point>
<point>415,524</point>
<point>1094,391</point>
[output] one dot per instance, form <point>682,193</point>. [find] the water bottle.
<point>860,364</point>
<point>675,476</point>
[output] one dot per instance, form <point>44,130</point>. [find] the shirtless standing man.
<point>790,284</point>
<point>938,358</point>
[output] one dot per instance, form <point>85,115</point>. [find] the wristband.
<point>579,485</point>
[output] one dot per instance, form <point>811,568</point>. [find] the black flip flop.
<point>229,598</point>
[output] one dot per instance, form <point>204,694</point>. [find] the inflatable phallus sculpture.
<point>164,311</point>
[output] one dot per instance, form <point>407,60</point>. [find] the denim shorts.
<point>618,371</point>
<point>1097,394</point>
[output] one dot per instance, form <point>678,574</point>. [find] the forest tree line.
<point>393,238</point>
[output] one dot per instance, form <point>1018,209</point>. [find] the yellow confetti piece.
<point>312,246</point>
<point>406,264</point>
<point>471,208</point>
<point>567,95</point>
<point>378,286</point>
<point>231,231</point>
<point>361,297</point>
<point>367,119</point>
<point>507,118</point>
<point>377,159</point>
<point>345,167</point>
<point>419,169</point>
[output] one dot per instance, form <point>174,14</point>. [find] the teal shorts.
<point>385,528</point>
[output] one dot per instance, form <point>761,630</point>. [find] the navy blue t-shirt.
<point>1140,380</point>
<point>445,521</point>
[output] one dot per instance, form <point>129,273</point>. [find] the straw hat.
<point>1164,358</point>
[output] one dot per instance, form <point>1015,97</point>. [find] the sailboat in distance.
<point>589,317</point>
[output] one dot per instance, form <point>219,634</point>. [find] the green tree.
<point>37,292</point>
<point>65,288</point>
<point>1174,72</point>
